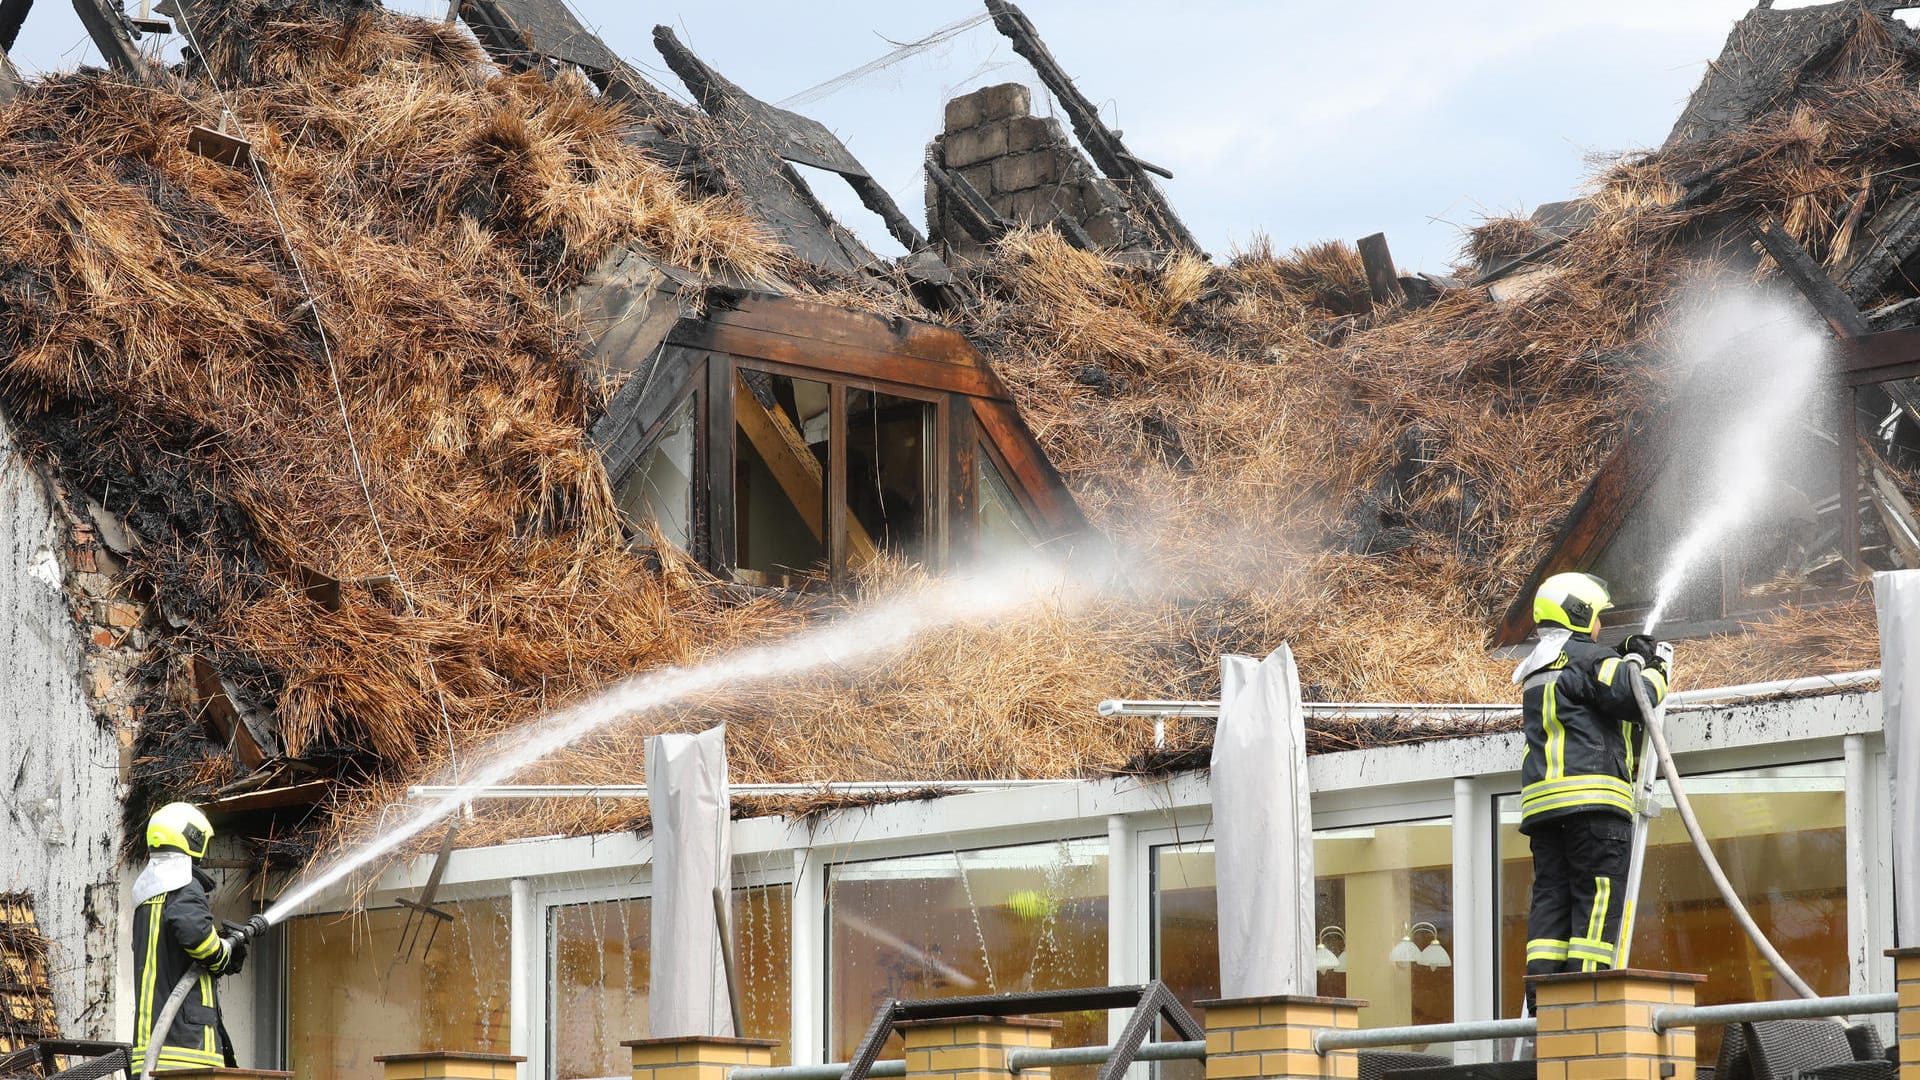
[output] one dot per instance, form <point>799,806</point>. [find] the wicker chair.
<point>1491,1070</point>
<point>1786,1049</point>
<point>1734,1062</point>
<point>86,1059</point>
<point>1376,1064</point>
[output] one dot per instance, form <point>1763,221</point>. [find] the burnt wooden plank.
<point>108,28</point>
<point>642,402</point>
<point>12,14</point>
<point>293,796</point>
<point>968,207</point>
<point>718,465</point>
<point>1892,237</point>
<point>1596,517</point>
<point>1383,279</point>
<point>1103,144</point>
<point>808,353</point>
<point>1811,281</point>
<point>841,326</point>
<point>1878,357</point>
<point>756,160</point>
<point>539,28</point>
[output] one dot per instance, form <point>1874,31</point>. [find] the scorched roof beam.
<point>114,38</point>
<point>1103,143</point>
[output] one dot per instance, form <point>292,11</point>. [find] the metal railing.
<point>1016,1061</point>
<point>1350,1039</point>
<point>1096,1055</point>
<point>1790,1009</point>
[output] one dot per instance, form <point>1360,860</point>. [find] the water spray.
<point>855,638</point>
<point>1793,356</point>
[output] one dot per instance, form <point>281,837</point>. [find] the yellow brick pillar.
<point>696,1057</point>
<point>1272,1038</point>
<point>1599,1025</point>
<point>1906,980</point>
<point>973,1047</point>
<point>448,1065</point>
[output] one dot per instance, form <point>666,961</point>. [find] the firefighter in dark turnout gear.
<point>174,932</point>
<point>1576,800</point>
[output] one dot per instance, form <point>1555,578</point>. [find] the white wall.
<point>59,769</point>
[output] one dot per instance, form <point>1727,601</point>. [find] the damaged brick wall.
<point>1027,168</point>
<point>65,721</point>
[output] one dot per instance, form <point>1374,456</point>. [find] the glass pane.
<point>353,992</point>
<point>1004,526</point>
<point>1372,887</point>
<point>1002,920</point>
<point>660,487</point>
<point>782,430</point>
<point>763,954</point>
<point>1889,529</point>
<point>888,470</point>
<point>599,992</point>
<point>1758,821</point>
<point>601,956</point>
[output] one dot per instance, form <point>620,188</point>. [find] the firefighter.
<point>1576,800</point>
<point>174,933</point>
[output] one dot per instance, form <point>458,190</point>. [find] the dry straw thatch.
<point>1286,462</point>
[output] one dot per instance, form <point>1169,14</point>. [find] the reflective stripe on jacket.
<point>1583,732</point>
<point>174,934</point>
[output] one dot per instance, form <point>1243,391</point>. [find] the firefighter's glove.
<point>1657,655</point>
<point>236,956</point>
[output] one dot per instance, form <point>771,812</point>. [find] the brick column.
<point>448,1065</point>
<point>973,1047</point>
<point>1906,980</point>
<point>1272,1038</point>
<point>1599,1025</point>
<point>696,1057</point>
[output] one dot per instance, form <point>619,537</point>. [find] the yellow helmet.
<point>180,826</point>
<point>1574,601</point>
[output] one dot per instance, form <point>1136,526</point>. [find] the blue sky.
<point>1303,121</point>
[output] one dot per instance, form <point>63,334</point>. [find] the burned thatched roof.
<point>342,406</point>
<point>1770,55</point>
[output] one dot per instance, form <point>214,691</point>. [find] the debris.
<point>1383,281</point>
<point>1101,142</point>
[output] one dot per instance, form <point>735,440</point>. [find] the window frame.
<point>940,467</point>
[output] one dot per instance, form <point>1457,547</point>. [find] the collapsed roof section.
<point>1770,56</point>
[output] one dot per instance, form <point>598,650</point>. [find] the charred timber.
<point>1103,144</point>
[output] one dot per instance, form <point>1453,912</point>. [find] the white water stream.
<point>1760,393</point>
<point>864,635</point>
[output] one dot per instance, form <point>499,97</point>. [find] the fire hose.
<point>1656,732</point>
<point>162,1024</point>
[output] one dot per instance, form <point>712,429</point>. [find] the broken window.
<point>1004,523</point>
<point>355,992</point>
<point>789,444</point>
<point>660,487</point>
<point>889,469</point>
<point>783,449</point>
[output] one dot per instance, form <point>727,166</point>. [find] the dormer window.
<point>785,443</point>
